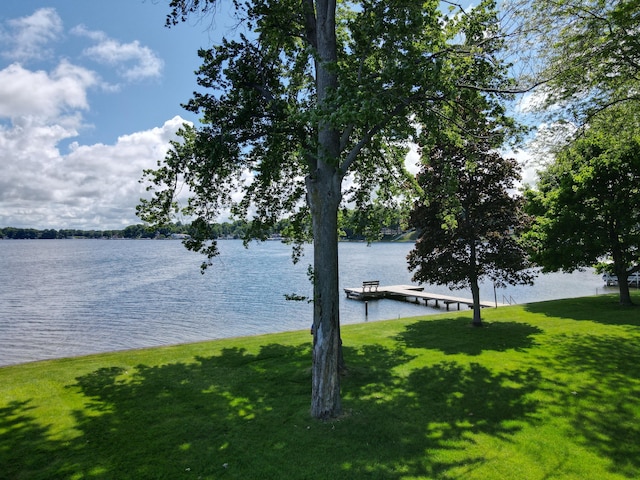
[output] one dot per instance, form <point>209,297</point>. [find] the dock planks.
<point>408,292</point>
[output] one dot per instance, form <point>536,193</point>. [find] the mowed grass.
<point>545,391</point>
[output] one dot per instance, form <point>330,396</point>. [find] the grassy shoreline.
<point>546,390</point>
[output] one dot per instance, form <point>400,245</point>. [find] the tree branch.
<point>601,108</point>
<point>353,154</point>
<point>506,91</point>
<point>344,139</point>
<point>310,26</point>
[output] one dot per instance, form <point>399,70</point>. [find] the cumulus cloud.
<point>28,38</point>
<point>132,61</point>
<point>40,109</point>
<point>87,186</point>
<point>43,95</point>
<point>413,161</point>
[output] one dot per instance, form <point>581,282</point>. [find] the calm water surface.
<point>62,298</point>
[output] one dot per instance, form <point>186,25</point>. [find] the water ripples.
<point>64,298</point>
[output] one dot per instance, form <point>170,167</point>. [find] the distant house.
<point>179,236</point>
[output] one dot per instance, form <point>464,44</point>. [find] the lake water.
<point>61,298</point>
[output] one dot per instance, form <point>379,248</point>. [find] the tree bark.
<point>623,286</point>
<point>475,295</point>
<point>475,289</point>
<point>620,269</point>
<point>324,195</point>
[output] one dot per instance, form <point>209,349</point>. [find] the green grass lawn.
<point>545,391</point>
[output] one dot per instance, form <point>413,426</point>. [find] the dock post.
<point>366,308</point>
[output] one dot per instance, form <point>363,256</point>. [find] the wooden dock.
<point>412,293</point>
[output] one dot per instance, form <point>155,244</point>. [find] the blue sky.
<point>90,95</point>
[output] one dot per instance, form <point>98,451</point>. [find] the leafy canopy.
<point>585,53</point>
<point>588,200</point>
<point>468,214</point>
<point>311,105</point>
<point>399,69</point>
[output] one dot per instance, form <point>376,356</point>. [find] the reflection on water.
<point>71,297</point>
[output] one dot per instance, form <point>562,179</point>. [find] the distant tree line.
<point>224,230</point>
<point>50,233</point>
<point>353,226</point>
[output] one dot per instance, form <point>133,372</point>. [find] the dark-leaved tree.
<point>468,217</point>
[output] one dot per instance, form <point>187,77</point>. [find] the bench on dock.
<point>370,285</point>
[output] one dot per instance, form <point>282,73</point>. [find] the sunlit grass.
<point>546,390</point>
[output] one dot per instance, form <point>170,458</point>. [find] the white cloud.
<point>133,61</point>
<point>91,186</point>
<point>529,175</point>
<point>83,31</point>
<point>88,186</point>
<point>536,102</point>
<point>413,161</point>
<point>29,37</point>
<point>532,101</point>
<point>42,95</point>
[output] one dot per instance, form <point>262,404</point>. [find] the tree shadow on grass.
<point>203,419</point>
<point>604,309</point>
<point>604,403</point>
<point>246,415</point>
<point>25,446</point>
<point>433,409</point>
<point>455,336</point>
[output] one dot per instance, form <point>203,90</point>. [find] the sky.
<point>90,95</point>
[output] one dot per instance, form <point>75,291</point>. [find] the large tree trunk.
<point>625,295</point>
<point>475,289</point>
<point>620,269</point>
<point>324,195</point>
<point>475,295</point>
<point>623,286</point>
